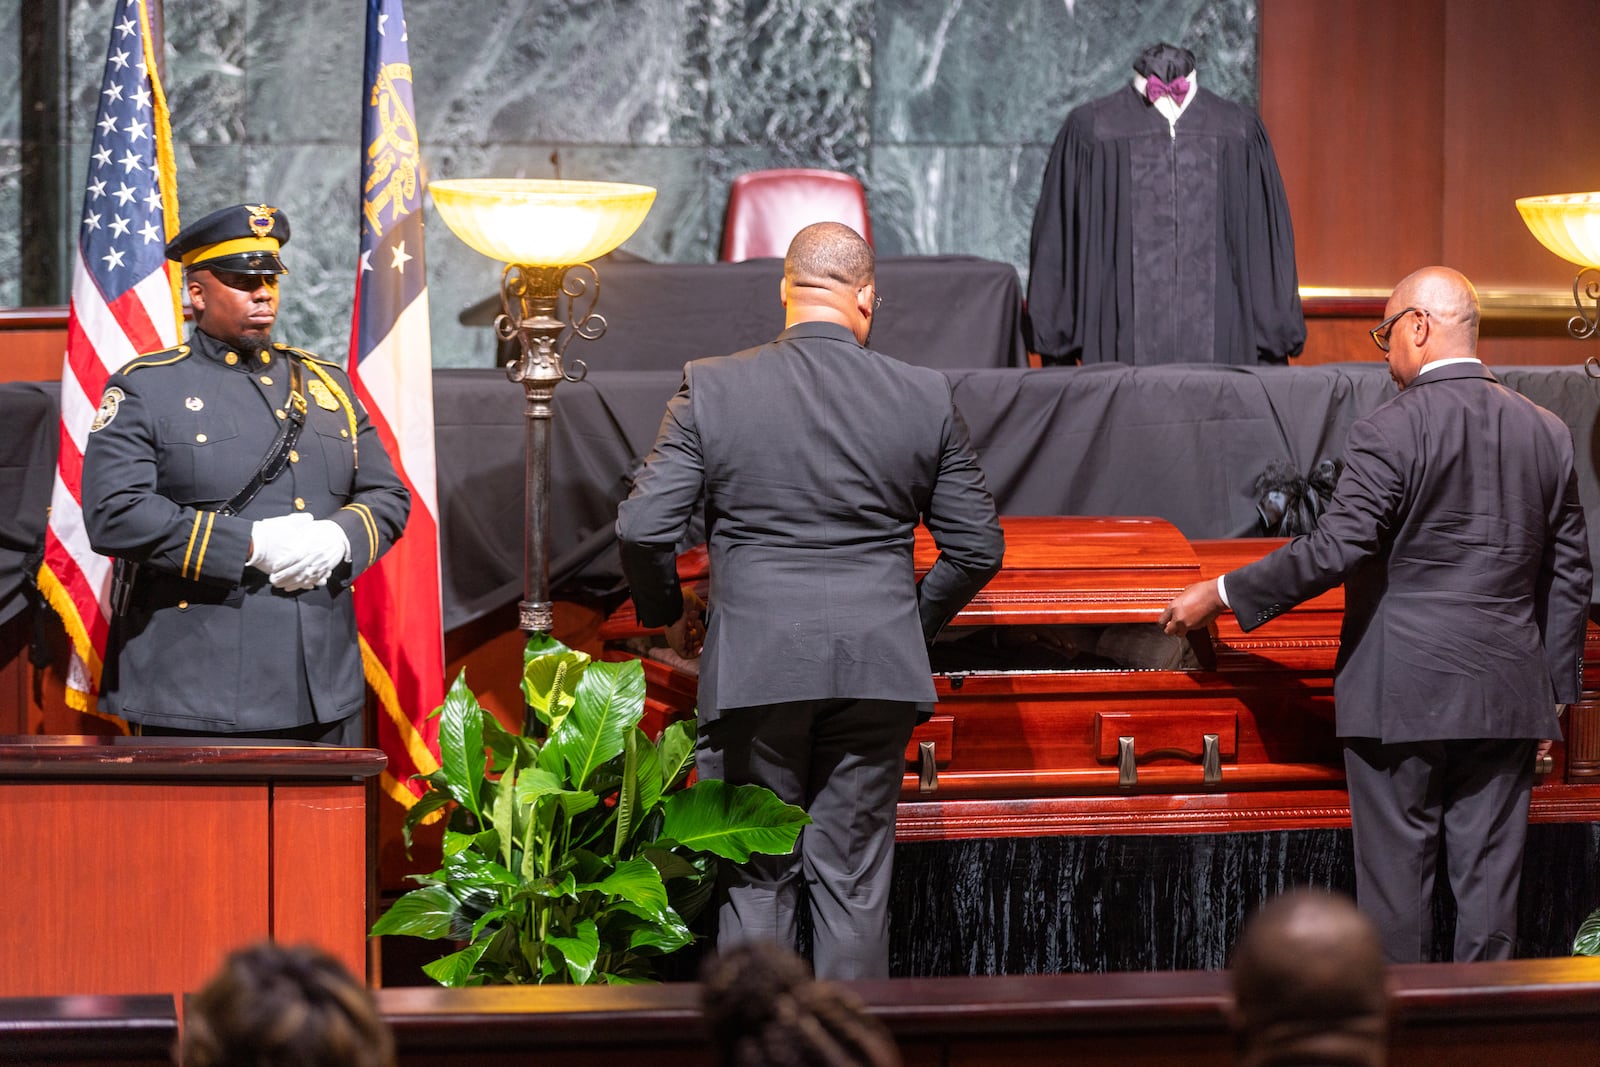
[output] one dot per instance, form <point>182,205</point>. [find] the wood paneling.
<point>1350,96</point>
<point>1405,131</point>
<point>123,884</point>
<point>323,901</point>
<point>1520,81</point>
<point>142,861</point>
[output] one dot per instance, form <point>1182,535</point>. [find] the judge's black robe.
<point>1157,246</point>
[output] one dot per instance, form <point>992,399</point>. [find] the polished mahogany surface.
<point>88,1029</point>
<point>102,757</point>
<point>1074,714</point>
<point>140,862</point>
<point>1548,1011</point>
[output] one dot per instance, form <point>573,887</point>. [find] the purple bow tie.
<point>1177,89</point>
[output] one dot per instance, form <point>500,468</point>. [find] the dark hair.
<point>764,1008</point>
<point>829,255</point>
<point>272,1006</point>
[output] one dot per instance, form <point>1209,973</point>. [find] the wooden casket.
<point>1064,709</point>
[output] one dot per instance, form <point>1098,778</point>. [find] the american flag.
<point>124,302</point>
<point>391,366</point>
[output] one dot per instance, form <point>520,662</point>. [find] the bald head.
<point>1436,317</point>
<point>1308,980</point>
<point>1449,298</point>
<point>828,277</point>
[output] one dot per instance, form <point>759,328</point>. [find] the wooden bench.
<point>1544,1012</point>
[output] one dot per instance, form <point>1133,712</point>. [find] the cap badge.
<point>193,403</point>
<point>261,220</point>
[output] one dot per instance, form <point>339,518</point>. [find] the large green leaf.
<point>676,749</point>
<point>426,805</point>
<point>627,806</point>
<point>461,754</point>
<point>732,821</point>
<point>581,950</point>
<point>503,811</point>
<point>426,912</point>
<point>646,782</point>
<point>635,880</point>
<point>610,702</point>
<point>662,931</point>
<point>1587,942</point>
<point>472,870</point>
<point>457,969</point>
<point>485,843</point>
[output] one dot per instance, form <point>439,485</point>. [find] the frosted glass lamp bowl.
<point>546,232</point>
<point>541,222</point>
<point>1568,224</point>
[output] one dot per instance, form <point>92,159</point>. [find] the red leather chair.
<point>766,208</point>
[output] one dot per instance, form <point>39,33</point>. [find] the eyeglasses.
<point>1380,333</point>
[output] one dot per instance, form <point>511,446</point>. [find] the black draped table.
<point>938,311</point>
<point>1182,442</point>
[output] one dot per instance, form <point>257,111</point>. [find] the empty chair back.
<point>766,208</point>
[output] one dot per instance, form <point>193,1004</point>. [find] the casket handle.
<point>1211,760</point>
<point>928,773</point>
<point>1127,768</point>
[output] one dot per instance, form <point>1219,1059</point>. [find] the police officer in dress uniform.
<point>238,619</point>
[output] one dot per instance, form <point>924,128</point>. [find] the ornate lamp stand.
<point>546,232</point>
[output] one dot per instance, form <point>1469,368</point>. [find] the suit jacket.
<point>816,458</point>
<point>208,644</point>
<point>1457,531</point>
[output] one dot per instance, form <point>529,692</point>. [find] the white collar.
<point>1435,364</point>
<point>1170,109</point>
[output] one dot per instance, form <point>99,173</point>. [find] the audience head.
<point>1434,314</point>
<point>828,277</point>
<point>272,1006</point>
<point>1308,985</point>
<point>764,1008</point>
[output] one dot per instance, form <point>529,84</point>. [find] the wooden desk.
<point>88,1030</point>
<point>1452,1015</point>
<point>137,863</point>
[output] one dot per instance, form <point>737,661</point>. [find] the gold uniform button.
<point>344,433</point>
<point>294,456</point>
<point>231,358</point>
<point>280,414</point>
<point>200,437</point>
<point>183,605</point>
<point>299,504</point>
<point>266,357</point>
<point>266,379</point>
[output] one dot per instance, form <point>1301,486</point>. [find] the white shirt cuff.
<point>1222,590</point>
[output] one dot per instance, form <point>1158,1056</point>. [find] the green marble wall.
<point>945,109</point>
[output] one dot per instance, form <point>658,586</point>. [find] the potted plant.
<point>581,856</point>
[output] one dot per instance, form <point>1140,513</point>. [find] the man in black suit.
<point>1457,531</point>
<point>817,458</point>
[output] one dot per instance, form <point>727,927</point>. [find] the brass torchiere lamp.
<point>546,232</point>
<point>1568,224</point>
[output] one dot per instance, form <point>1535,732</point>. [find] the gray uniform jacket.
<point>1458,533</point>
<point>208,644</point>
<point>817,458</point>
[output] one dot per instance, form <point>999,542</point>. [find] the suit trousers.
<point>843,761</point>
<point>1407,799</point>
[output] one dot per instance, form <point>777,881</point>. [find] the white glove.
<point>275,542</point>
<point>323,546</point>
